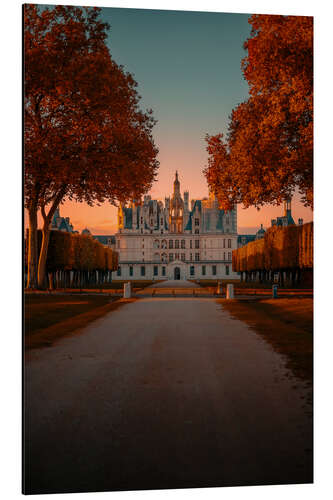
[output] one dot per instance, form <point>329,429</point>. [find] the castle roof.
<point>104,239</point>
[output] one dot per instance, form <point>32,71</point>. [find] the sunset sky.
<point>188,67</point>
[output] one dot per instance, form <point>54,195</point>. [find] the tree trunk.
<point>43,255</point>
<point>281,278</point>
<point>50,281</point>
<point>32,249</point>
<point>46,235</point>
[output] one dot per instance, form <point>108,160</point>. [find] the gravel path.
<point>164,393</point>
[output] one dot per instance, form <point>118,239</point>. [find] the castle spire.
<point>176,185</point>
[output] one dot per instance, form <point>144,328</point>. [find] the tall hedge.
<point>282,248</point>
<point>76,252</point>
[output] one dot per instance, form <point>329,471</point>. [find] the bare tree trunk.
<point>46,236</point>
<point>43,256</point>
<point>50,281</point>
<point>32,249</point>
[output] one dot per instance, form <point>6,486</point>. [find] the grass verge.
<point>286,324</point>
<point>118,285</point>
<point>50,317</point>
<point>247,284</point>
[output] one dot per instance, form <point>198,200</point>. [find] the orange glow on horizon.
<point>103,219</point>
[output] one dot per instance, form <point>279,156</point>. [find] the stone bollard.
<point>127,290</point>
<point>230,291</point>
<point>219,288</point>
<point>275,291</point>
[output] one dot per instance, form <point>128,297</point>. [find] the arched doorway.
<point>177,273</point>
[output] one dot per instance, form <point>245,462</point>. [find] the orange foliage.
<point>268,153</point>
<point>85,137</point>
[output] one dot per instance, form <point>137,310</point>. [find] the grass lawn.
<point>118,285</point>
<point>244,284</point>
<point>49,317</point>
<point>287,324</point>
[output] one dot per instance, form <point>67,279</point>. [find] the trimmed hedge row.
<point>76,252</point>
<point>76,260</point>
<point>281,249</point>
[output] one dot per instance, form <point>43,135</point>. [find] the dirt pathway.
<point>164,393</point>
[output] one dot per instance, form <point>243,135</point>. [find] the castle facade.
<point>175,240</point>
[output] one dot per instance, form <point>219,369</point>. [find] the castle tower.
<point>120,217</point>
<point>287,207</point>
<point>176,208</point>
<point>186,198</point>
<point>176,185</point>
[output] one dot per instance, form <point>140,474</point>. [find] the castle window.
<point>155,270</point>
<point>214,270</point>
<point>196,231</point>
<point>170,243</point>
<point>182,244</point>
<point>197,256</point>
<point>229,255</point>
<point>190,243</point>
<point>176,256</point>
<point>164,244</point>
<point>196,222</point>
<point>229,243</point>
<point>197,243</point>
<point>141,220</point>
<point>143,271</point>
<point>203,270</point>
<point>192,270</point>
<point>163,271</point>
<point>223,243</point>
<point>182,257</point>
<point>119,271</point>
<point>177,244</point>
<point>131,271</point>
<point>190,256</point>
<point>227,270</point>
<point>156,257</point>
<point>170,257</point>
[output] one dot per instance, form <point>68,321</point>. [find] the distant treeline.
<point>287,251</point>
<point>76,260</point>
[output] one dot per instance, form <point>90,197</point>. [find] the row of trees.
<point>285,250</point>
<point>85,137</point>
<point>267,154</point>
<point>75,260</point>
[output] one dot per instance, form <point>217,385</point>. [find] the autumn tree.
<point>268,152</point>
<point>85,137</point>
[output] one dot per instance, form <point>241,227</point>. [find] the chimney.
<point>186,197</point>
